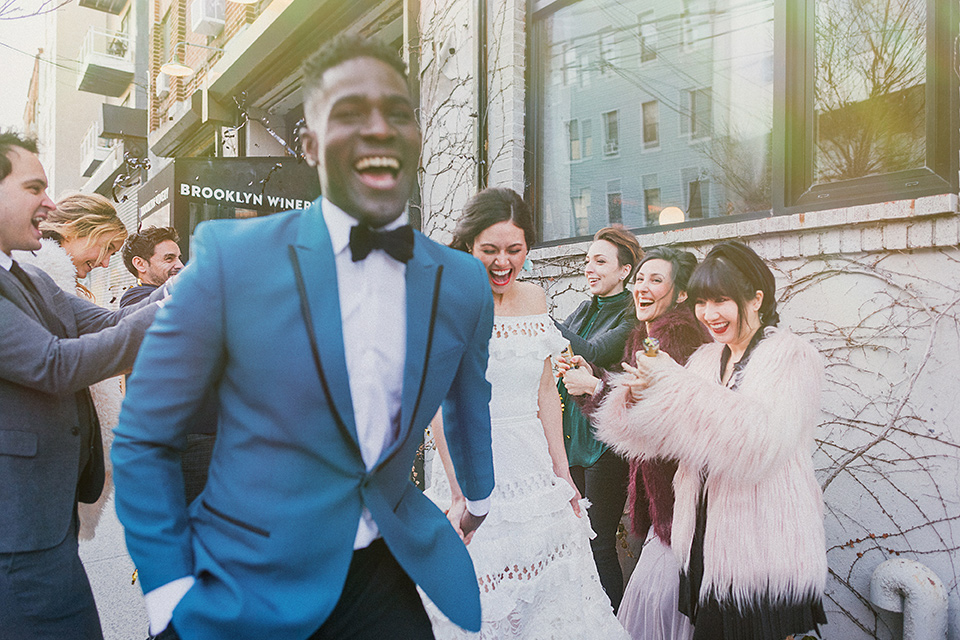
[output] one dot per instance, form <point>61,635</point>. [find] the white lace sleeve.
<point>553,340</point>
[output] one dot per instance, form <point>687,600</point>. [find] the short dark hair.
<point>734,270</point>
<point>9,140</point>
<point>487,208</point>
<point>143,243</point>
<point>628,247</point>
<point>346,47</point>
<point>682,264</point>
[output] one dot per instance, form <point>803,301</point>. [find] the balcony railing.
<point>110,6</point>
<point>93,150</point>
<point>106,63</point>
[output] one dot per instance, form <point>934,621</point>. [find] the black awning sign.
<point>234,196</point>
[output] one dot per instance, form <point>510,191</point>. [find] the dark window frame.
<point>792,187</point>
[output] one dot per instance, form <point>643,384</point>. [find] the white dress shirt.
<point>373,311</point>
<point>5,261</point>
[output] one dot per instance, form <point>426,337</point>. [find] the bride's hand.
<point>458,506</point>
<point>575,500</point>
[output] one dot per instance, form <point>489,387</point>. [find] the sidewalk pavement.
<point>110,569</point>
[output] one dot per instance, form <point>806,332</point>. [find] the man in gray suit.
<point>53,345</point>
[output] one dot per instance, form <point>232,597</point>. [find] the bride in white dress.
<point>532,554</point>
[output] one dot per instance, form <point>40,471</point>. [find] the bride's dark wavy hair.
<point>487,208</point>
<point>734,270</point>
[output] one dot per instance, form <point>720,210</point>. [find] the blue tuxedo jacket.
<point>256,318</point>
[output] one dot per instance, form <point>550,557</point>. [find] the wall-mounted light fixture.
<point>177,68</point>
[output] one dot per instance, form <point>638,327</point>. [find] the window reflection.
<point>682,91</point>
<point>870,88</point>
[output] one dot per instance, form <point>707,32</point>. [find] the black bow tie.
<point>398,243</point>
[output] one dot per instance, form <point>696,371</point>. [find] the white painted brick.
<point>748,228</point>
<point>777,224</point>
<point>895,236</point>
<point>790,245</point>
<point>946,231</point>
<point>696,234</point>
<point>920,234</point>
<point>936,204</point>
<point>830,242</point>
<point>810,244</point>
<point>712,234</point>
<point>816,219</point>
<point>850,240</point>
<point>872,239</point>
<point>857,215</point>
<point>767,247</point>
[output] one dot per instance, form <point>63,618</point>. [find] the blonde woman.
<point>80,235</point>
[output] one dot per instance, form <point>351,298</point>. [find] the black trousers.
<point>45,595</point>
<point>605,485</point>
<point>379,601</point>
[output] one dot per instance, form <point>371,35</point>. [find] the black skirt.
<point>765,619</point>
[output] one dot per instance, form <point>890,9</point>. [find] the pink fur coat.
<point>764,526</point>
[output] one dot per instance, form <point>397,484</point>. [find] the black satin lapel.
<point>336,388</point>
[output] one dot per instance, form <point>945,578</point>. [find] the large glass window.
<point>753,107</point>
<point>702,75</point>
<point>869,89</point>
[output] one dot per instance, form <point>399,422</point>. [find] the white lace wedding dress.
<point>532,555</point>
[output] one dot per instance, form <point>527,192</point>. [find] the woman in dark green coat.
<point>597,330</point>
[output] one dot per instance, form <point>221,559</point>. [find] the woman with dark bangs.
<point>739,418</point>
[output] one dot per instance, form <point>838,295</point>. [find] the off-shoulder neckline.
<point>528,315</point>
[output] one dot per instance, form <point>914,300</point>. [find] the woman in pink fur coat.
<point>740,419</point>
<point>649,610</point>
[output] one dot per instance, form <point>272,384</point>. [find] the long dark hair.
<point>487,208</point>
<point>734,270</point>
<point>682,264</point>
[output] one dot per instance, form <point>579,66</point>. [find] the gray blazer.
<point>44,401</point>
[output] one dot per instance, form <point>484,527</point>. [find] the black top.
<point>133,295</point>
<point>614,317</point>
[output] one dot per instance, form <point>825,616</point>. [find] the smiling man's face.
<point>362,134</point>
<point>23,202</point>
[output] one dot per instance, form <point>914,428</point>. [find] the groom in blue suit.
<point>328,338</point>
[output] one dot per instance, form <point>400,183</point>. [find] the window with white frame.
<point>611,133</point>
<point>696,122</point>
<point>573,132</point>
<point>648,36</point>
<point>581,212</point>
<point>614,202</point>
<point>651,124</point>
<point>651,198</point>
<point>586,137</point>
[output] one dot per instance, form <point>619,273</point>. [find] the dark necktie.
<point>33,295</point>
<point>398,243</point>
<point>17,272</point>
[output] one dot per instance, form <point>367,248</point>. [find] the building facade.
<point>823,133</point>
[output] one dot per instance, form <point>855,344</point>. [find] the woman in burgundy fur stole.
<point>649,610</point>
